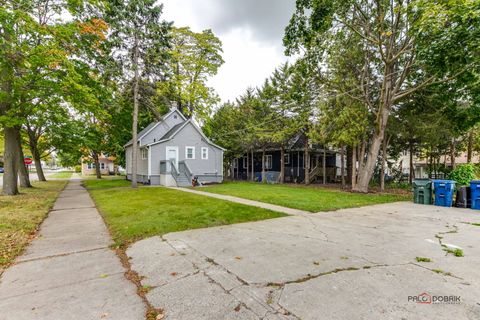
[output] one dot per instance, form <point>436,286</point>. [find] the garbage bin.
<point>422,191</point>
<point>444,192</point>
<point>463,198</point>
<point>475,192</point>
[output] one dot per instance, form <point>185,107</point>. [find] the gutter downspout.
<point>149,168</point>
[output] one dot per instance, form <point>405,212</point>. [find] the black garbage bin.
<point>464,198</point>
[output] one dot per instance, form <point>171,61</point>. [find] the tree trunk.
<point>342,165</point>
<point>354,168</point>
<point>135,115</point>
<point>10,162</point>
<point>431,164</point>
<point>361,156</point>
<point>349,165</point>
<point>383,166</point>
<point>411,175</point>
<point>470,146</point>
<point>98,173</point>
<point>33,143</point>
<point>247,160</point>
<point>452,153</point>
<point>324,165</point>
<point>282,165</point>
<point>263,165</point>
<point>22,168</point>
<point>367,167</point>
<point>253,167</point>
<point>10,152</point>
<point>306,160</point>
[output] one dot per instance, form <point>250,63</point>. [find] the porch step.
<point>183,181</point>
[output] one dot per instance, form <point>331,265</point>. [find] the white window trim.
<point>206,153</point>
<point>286,159</point>
<point>144,153</point>
<point>235,163</point>
<point>193,153</point>
<point>102,165</point>
<point>267,162</point>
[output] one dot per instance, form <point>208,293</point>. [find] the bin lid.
<point>422,182</point>
<point>444,181</point>
<point>475,182</point>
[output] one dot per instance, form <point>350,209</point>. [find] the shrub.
<point>78,168</point>
<point>463,174</point>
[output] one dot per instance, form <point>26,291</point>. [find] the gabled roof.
<point>178,128</point>
<point>152,126</point>
<point>172,131</point>
<point>143,132</point>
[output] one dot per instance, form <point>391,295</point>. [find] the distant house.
<point>173,151</point>
<point>294,162</point>
<point>106,165</point>
<point>421,164</point>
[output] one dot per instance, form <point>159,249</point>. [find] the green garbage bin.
<point>422,191</point>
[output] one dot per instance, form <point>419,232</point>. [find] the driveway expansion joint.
<point>79,208</point>
<point>61,254</point>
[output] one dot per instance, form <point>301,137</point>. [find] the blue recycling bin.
<point>475,190</point>
<point>444,190</point>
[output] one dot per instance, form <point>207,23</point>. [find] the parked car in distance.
<point>1,170</point>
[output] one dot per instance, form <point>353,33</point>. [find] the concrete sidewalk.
<point>68,271</point>
<point>289,211</point>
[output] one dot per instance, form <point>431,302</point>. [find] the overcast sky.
<point>251,32</point>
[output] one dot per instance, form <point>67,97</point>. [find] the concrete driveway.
<point>350,264</point>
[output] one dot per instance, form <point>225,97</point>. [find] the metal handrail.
<point>188,172</point>
<point>173,169</point>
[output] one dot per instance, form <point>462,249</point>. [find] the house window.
<point>286,158</point>
<point>245,163</point>
<point>102,165</point>
<point>190,152</point>
<point>91,166</point>
<point>144,154</point>
<point>235,163</point>
<point>204,153</point>
<point>268,161</point>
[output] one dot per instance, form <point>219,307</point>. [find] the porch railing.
<point>183,167</point>
<point>168,166</point>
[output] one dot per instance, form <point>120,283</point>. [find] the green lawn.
<point>61,175</point>
<point>20,216</point>
<point>106,182</point>
<point>308,198</point>
<point>147,211</point>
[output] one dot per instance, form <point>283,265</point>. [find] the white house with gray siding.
<point>173,151</point>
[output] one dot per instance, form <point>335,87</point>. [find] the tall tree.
<point>390,36</point>
<point>141,40</point>
<point>278,95</point>
<point>36,46</point>
<point>194,58</point>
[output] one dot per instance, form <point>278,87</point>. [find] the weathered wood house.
<point>295,165</point>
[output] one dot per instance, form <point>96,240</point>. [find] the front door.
<point>172,155</point>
